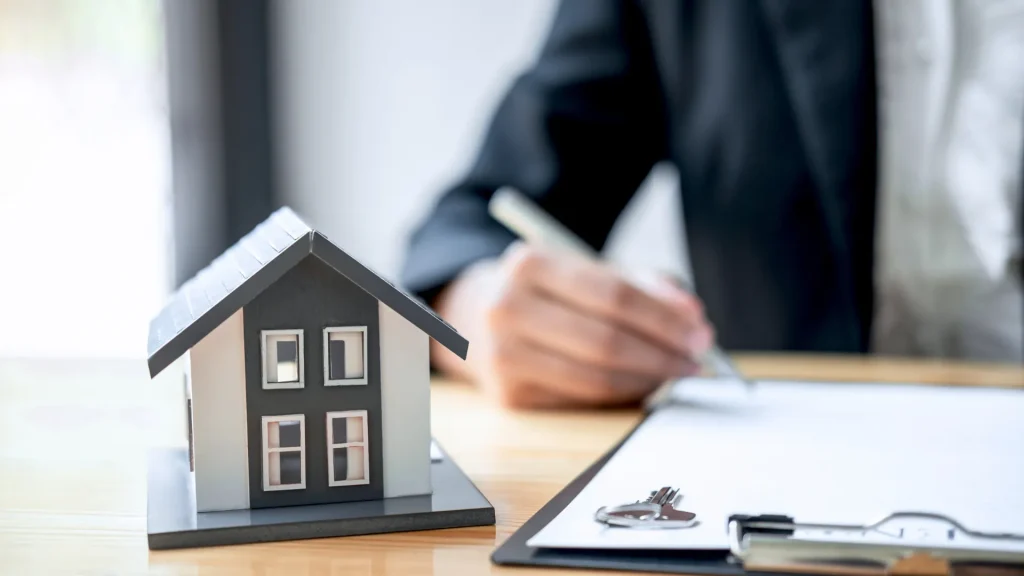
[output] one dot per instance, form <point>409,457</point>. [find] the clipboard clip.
<point>774,542</point>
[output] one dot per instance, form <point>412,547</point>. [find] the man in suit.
<point>849,173</point>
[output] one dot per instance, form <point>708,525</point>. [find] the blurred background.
<point>140,138</point>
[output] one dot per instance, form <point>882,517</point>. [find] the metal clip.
<point>658,511</point>
<point>773,542</point>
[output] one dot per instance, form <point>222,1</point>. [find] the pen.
<point>519,214</point>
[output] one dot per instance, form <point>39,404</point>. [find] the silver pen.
<point>519,214</point>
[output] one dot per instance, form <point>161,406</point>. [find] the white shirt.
<point>951,111</point>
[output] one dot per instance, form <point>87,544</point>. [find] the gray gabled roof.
<point>250,267</point>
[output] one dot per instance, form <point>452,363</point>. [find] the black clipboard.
<point>515,552</point>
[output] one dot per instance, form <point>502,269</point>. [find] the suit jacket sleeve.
<point>578,132</point>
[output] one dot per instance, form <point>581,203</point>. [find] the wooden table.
<point>74,433</point>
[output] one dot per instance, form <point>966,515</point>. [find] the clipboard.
<point>770,544</point>
<point>515,552</point>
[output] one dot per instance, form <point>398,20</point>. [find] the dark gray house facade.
<point>308,300</point>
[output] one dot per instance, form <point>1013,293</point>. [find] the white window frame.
<point>301,449</point>
<point>327,357</point>
<point>263,360</point>
<point>331,446</point>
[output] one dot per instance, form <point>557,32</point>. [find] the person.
<point>850,175</point>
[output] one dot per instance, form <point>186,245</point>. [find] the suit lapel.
<point>826,54</point>
<point>824,51</point>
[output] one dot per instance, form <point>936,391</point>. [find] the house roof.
<point>254,263</point>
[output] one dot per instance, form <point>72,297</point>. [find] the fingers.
<point>689,305</point>
<point>590,341</point>
<point>554,331</point>
<point>675,323</point>
<point>536,377</point>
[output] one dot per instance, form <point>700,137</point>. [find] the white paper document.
<point>819,452</point>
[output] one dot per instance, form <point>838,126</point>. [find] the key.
<point>659,510</point>
<point>668,499</point>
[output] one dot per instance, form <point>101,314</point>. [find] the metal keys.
<point>658,511</point>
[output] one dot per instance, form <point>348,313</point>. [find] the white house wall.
<point>218,418</point>
<point>405,403</point>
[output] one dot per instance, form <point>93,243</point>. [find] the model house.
<point>307,374</point>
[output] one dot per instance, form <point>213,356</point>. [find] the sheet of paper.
<point>821,452</point>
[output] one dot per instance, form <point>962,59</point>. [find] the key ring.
<point>657,512</point>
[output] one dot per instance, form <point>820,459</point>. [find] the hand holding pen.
<point>552,329</point>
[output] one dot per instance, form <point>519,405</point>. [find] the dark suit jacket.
<point>767,109</point>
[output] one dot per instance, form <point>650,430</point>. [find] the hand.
<point>552,330</point>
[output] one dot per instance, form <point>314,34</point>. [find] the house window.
<point>284,452</point>
<point>282,359</point>
<point>348,459</point>
<point>345,356</point>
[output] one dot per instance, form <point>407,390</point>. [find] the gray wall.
<point>312,296</point>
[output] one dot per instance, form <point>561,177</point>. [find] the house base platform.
<point>172,520</point>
